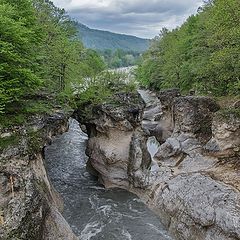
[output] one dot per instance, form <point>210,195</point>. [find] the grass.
<point>35,141</point>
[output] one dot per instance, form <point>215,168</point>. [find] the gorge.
<point>193,181</point>
<point>178,154</point>
<point>92,211</point>
<point>89,151</point>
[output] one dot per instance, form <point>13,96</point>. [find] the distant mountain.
<point>101,40</point>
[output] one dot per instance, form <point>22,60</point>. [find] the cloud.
<point>142,18</point>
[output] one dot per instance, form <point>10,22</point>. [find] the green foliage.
<point>203,54</point>
<point>119,58</point>
<point>63,58</point>
<point>9,141</point>
<point>40,54</point>
<point>18,41</point>
<point>102,87</point>
<point>35,141</point>
<point>19,112</point>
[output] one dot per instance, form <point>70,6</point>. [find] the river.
<point>92,211</point>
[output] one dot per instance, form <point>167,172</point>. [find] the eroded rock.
<point>195,192</point>
<point>27,198</point>
<point>226,135</point>
<point>193,115</point>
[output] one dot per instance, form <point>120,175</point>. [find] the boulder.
<point>193,115</point>
<point>167,97</point>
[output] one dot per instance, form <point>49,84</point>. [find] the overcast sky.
<point>142,18</point>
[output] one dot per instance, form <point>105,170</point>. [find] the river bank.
<point>192,182</point>
<point>180,155</point>
<point>92,211</point>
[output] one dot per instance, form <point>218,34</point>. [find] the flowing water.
<point>153,108</point>
<point>92,211</point>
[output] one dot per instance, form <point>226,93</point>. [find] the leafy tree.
<point>119,58</point>
<point>202,54</point>
<point>18,41</point>
<point>40,53</point>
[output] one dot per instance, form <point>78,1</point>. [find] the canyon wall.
<point>29,206</point>
<point>192,182</point>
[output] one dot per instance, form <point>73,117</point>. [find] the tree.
<point>203,53</point>
<point>40,52</point>
<point>18,41</point>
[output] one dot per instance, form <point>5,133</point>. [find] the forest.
<point>41,56</point>
<point>119,58</point>
<point>202,55</point>
<point>102,40</point>
<point>42,59</point>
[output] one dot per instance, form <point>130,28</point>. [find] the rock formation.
<point>114,130</point>
<point>29,206</point>
<point>193,180</point>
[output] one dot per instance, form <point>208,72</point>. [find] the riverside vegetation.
<point>43,63</point>
<point>202,54</point>
<point>42,57</point>
<point>45,72</point>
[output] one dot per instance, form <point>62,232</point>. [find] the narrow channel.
<point>92,211</point>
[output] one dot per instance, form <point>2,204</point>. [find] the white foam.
<point>86,174</point>
<point>158,231</point>
<point>134,210</point>
<point>96,187</point>
<point>91,230</point>
<point>94,201</point>
<point>105,209</point>
<point>130,216</point>
<point>154,228</point>
<point>126,234</point>
<point>138,200</point>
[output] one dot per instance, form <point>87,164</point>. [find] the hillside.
<point>101,40</point>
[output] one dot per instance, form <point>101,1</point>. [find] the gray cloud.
<point>142,18</point>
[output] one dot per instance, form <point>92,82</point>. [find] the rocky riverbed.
<point>30,208</point>
<point>179,154</point>
<point>192,181</point>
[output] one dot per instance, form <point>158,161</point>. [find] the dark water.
<point>92,211</point>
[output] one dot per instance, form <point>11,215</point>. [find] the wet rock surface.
<point>192,181</point>
<point>111,129</point>
<point>93,211</point>
<point>29,205</point>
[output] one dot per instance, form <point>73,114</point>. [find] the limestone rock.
<point>193,115</point>
<point>139,160</point>
<point>26,195</point>
<point>167,97</point>
<point>117,146</point>
<point>226,135</point>
<point>195,192</point>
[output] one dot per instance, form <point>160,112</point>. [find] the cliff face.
<point>114,130</point>
<point>192,182</point>
<point>29,206</point>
